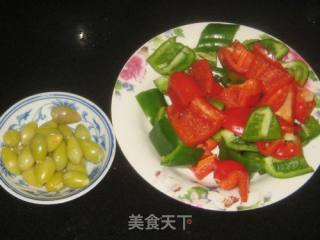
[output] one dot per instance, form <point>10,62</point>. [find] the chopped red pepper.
<point>275,99</point>
<point>258,49</point>
<point>236,58</point>
<point>202,74</point>
<point>255,65</point>
<point>182,89</point>
<point>304,104</point>
<point>235,119</point>
<point>286,109</point>
<point>208,146</point>
<point>246,94</point>
<point>230,174</point>
<point>286,127</point>
<point>225,167</point>
<point>204,166</point>
<point>280,149</point>
<point>197,122</point>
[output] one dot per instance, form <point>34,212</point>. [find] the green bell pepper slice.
<point>182,155</point>
<point>299,70</point>
<point>309,130</point>
<point>218,104</point>
<point>253,161</point>
<point>262,125</point>
<point>234,78</point>
<point>162,84</point>
<point>221,75</point>
<point>167,143</point>
<point>216,35</point>
<point>293,167</point>
<point>163,137</point>
<point>211,57</point>
<point>171,56</point>
<point>151,102</point>
<point>249,43</point>
<point>234,142</point>
<point>275,47</point>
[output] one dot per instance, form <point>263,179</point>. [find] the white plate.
<point>132,128</point>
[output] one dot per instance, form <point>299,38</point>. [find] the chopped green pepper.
<point>234,142</point>
<point>295,166</point>
<point>218,104</point>
<point>221,75</point>
<point>234,78</point>
<point>216,35</point>
<point>309,130</point>
<point>161,113</point>
<point>249,43</point>
<point>151,101</point>
<point>162,84</point>
<point>171,56</point>
<point>210,56</point>
<point>167,143</point>
<point>182,155</point>
<point>262,125</point>
<point>275,47</point>
<point>253,161</point>
<point>163,137</point>
<point>299,70</point>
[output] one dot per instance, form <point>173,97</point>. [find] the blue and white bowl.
<point>37,108</point>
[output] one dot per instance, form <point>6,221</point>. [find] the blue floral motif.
<point>98,137</point>
<point>4,170</point>
<point>39,115</point>
<point>94,172</point>
<point>60,102</point>
<point>127,86</point>
<point>21,118</point>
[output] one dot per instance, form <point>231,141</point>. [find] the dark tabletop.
<point>41,51</point>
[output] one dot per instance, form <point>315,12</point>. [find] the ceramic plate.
<point>132,128</point>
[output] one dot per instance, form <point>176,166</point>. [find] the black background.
<point>40,52</point>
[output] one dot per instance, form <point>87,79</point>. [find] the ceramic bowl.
<point>37,108</point>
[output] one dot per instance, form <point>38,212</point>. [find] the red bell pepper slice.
<point>225,167</point>
<point>236,58</point>
<point>255,65</point>
<point>208,146</point>
<point>258,49</point>
<point>271,77</point>
<point>275,99</point>
<point>246,94</point>
<point>235,119</point>
<point>203,108</point>
<point>304,104</point>
<point>286,127</point>
<point>234,179</point>
<point>182,89</point>
<point>258,66</point>
<point>280,149</point>
<point>196,123</point>
<point>202,74</point>
<point>230,174</point>
<point>204,166</point>
<point>286,109</point>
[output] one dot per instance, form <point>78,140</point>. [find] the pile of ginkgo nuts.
<point>52,155</point>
